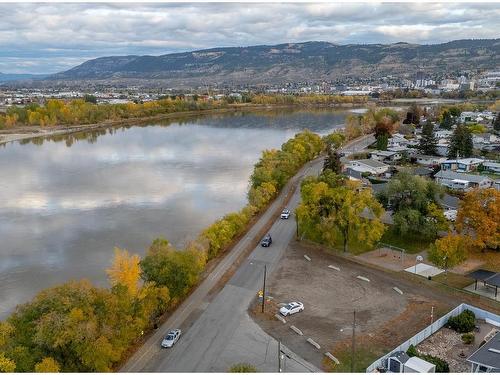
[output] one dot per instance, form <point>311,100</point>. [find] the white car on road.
<point>171,338</point>
<point>285,214</point>
<point>292,308</point>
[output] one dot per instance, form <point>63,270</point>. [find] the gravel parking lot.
<point>384,317</point>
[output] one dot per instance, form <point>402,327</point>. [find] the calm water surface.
<point>66,202</point>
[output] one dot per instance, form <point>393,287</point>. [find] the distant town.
<point>463,86</point>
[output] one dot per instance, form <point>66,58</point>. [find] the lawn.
<point>364,356</point>
<point>411,243</point>
<point>454,279</point>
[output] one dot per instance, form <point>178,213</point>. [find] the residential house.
<point>443,134</point>
<point>462,181</point>
<point>397,140</point>
<point>461,165</point>
<point>386,156</point>
<point>442,147</point>
<point>487,357</point>
<point>373,167</point>
<point>491,166</point>
<point>486,141</point>
<point>485,116</point>
<point>429,160</point>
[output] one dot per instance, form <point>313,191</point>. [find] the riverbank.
<point>29,132</point>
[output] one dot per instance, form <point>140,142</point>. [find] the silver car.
<point>171,338</point>
<point>292,308</point>
<point>285,214</point>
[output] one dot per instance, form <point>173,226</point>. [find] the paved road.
<point>222,333</point>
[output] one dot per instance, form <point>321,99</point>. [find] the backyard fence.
<point>429,330</point>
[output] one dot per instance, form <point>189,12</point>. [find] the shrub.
<point>468,338</point>
<point>242,367</point>
<point>463,323</point>
<point>441,364</point>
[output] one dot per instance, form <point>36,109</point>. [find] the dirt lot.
<point>384,318</point>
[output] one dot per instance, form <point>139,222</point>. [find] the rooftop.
<point>371,163</point>
<point>488,354</point>
<point>467,161</point>
<point>450,175</point>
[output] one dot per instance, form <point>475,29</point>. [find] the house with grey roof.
<point>487,357</point>
<point>462,181</point>
<point>429,160</point>
<point>491,166</point>
<point>386,156</point>
<point>371,166</point>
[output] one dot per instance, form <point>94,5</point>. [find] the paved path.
<point>222,333</point>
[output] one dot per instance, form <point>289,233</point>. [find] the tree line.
<point>78,327</point>
<point>87,111</point>
<point>79,111</point>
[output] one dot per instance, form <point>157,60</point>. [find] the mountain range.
<point>291,62</point>
<point>8,77</point>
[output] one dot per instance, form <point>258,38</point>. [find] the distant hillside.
<point>293,62</point>
<point>6,77</point>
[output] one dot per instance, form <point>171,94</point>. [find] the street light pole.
<point>264,287</point>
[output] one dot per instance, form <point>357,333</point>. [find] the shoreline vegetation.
<point>59,117</point>
<point>78,327</point>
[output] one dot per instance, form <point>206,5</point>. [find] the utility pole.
<point>432,314</point>
<point>353,340</point>
<point>264,287</point>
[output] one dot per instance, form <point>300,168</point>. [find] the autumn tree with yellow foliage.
<point>449,251</point>
<point>336,212</point>
<point>125,270</point>
<point>479,218</point>
<point>47,364</point>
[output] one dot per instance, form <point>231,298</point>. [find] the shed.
<point>395,363</point>
<point>415,364</point>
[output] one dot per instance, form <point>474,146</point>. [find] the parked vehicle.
<point>285,214</point>
<point>171,338</point>
<point>266,241</point>
<point>292,308</point>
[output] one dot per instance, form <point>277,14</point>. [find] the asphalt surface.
<point>219,333</point>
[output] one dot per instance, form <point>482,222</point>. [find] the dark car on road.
<point>266,241</point>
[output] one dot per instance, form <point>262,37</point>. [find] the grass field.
<point>411,243</point>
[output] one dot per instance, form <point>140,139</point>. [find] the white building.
<point>491,166</point>
<point>387,156</point>
<point>462,181</point>
<point>429,160</point>
<point>373,167</point>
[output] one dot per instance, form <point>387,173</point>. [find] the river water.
<point>67,201</point>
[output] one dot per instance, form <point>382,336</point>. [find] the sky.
<point>53,37</point>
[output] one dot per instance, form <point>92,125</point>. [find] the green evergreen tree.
<point>447,121</point>
<point>382,142</point>
<point>428,142</point>
<point>461,143</point>
<point>496,123</point>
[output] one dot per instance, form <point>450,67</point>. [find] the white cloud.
<point>45,37</point>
